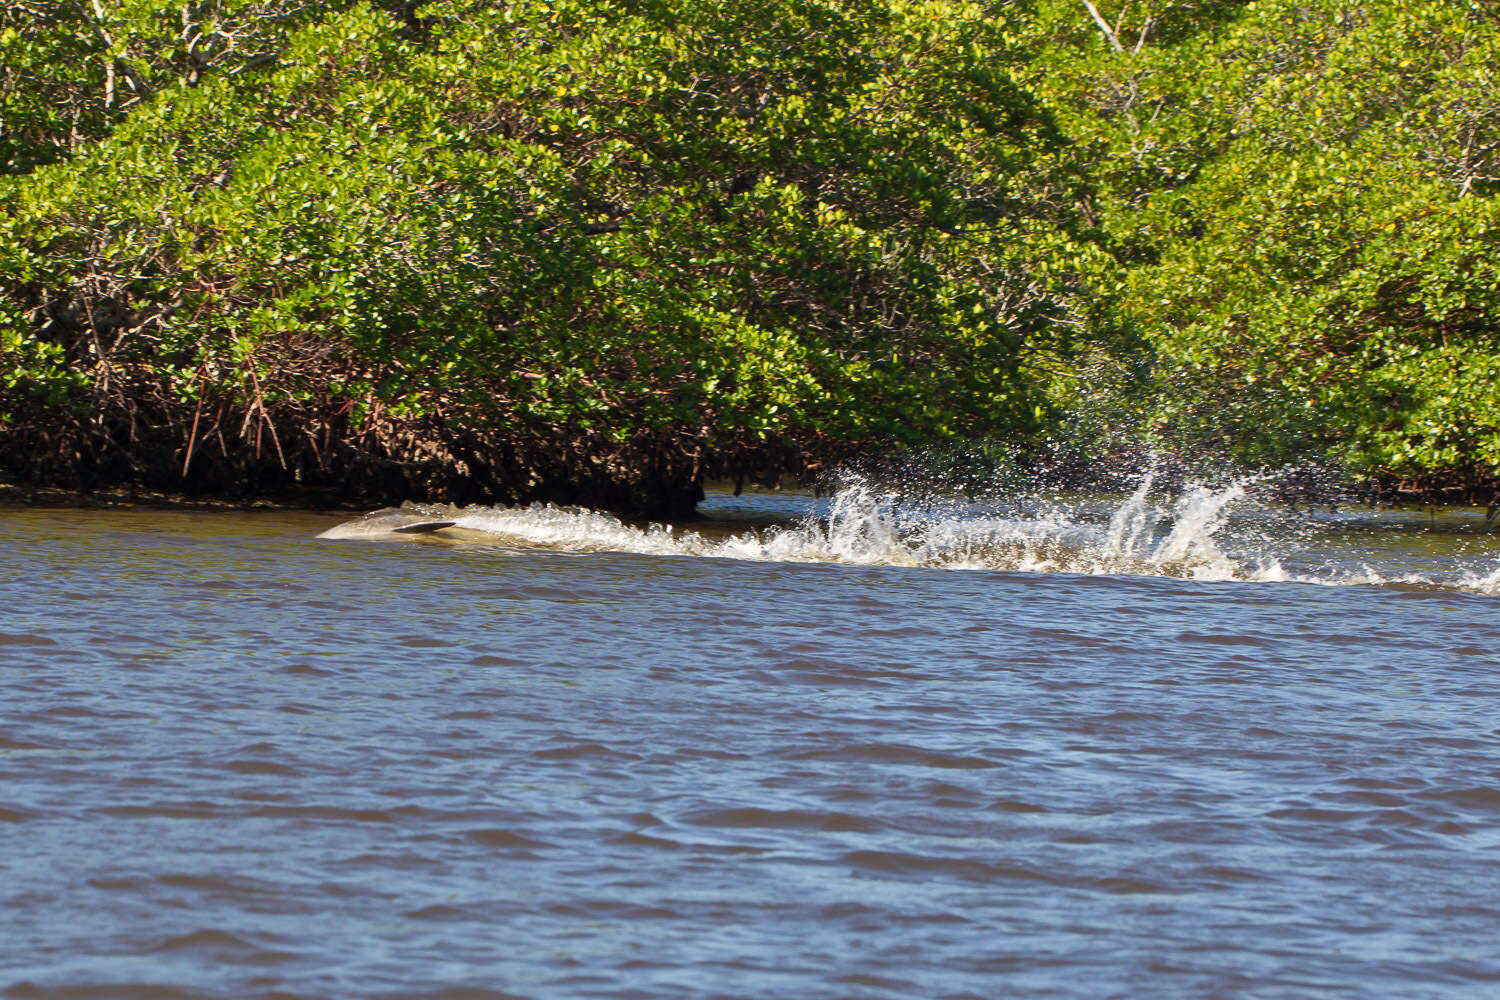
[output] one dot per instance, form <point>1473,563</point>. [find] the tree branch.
<point>1145,31</point>
<point>96,22</point>
<point>1114,39</point>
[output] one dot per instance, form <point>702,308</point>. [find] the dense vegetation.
<point>596,250</point>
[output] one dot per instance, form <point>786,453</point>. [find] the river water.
<point>867,747</point>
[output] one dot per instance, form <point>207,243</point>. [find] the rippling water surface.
<point>1104,751</point>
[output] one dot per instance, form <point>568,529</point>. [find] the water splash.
<point>1200,514</point>
<point>1202,532</point>
<point>1131,526</point>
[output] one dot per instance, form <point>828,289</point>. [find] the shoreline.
<point>20,497</point>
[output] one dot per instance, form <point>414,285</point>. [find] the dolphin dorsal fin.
<point>422,527</point>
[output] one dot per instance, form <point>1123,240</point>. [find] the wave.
<point>1202,532</point>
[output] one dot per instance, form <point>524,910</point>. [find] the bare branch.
<point>1145,31</point>
<point>1114,39</point>
<point>96,22</point>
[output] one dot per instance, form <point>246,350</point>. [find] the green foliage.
<point>70,70</point>
<point>731,234</point>
<point>1300,202</point>
<point>791,220</point>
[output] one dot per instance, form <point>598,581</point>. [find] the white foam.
<point>1481,582</point>
<point>1182,537</point>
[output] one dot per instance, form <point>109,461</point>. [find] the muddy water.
<point>1143,747</point>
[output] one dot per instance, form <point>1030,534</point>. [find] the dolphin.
<point>389,521</point>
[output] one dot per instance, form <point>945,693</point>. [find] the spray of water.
<point>1199,531</point>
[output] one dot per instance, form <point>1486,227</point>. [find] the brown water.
<point>954,754</point>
